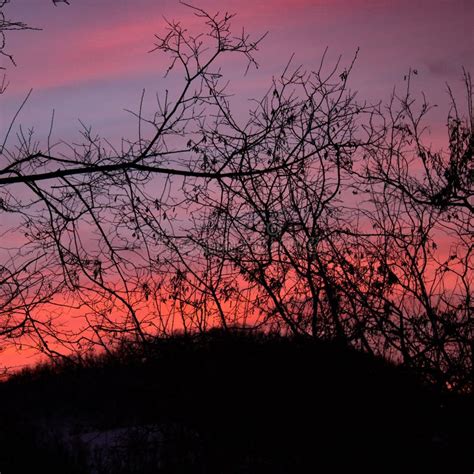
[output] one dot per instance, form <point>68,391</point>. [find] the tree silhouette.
<point>316,214</point>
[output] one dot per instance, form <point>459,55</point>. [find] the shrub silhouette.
<point>232,402</point>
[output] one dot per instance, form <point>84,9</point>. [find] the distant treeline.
<point>230,402</point>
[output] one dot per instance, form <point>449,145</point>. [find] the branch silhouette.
<point>315,214</point>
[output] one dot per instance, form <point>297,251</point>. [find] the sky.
<point>91,60</point>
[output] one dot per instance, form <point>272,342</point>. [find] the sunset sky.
<point>236,235</point>
<point>91,60</point>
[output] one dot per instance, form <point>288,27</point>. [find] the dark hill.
<point>230,403</point>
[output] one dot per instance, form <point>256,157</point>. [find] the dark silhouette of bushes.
<point>229,402</point>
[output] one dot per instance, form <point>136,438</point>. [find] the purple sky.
<point>90,61</point>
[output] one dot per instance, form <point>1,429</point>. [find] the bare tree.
<point>423,202</point>
<point>56,189</point>
<point>342,244</point>
<point>314,214</point>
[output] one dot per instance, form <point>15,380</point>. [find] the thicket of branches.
<point>315,214</point>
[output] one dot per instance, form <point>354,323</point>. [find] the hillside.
<point>229,403</point>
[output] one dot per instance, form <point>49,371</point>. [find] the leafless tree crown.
<point>315,214</point>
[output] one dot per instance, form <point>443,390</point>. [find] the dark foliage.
<point>232,403</point>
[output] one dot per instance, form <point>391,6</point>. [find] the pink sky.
<point>91,61</point>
